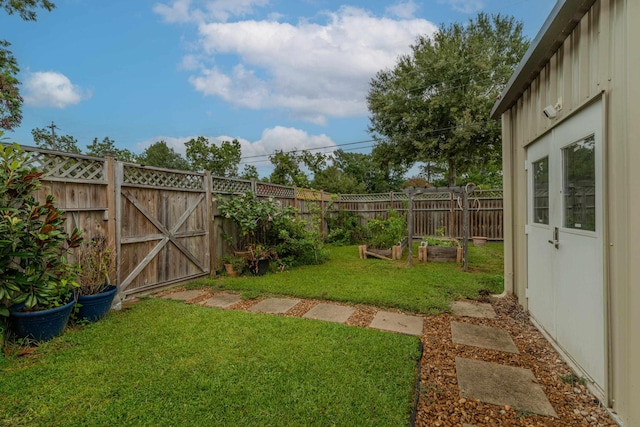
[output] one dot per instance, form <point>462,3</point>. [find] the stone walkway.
<point>491,382</point>
<point>487,382</point>
<point>383,320</point>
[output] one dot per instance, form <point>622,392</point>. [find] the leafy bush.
<point>345,229</point>
<point>267,223</point>
<point>34,269</point>
<point>300,245</point>
<point>385,233</point>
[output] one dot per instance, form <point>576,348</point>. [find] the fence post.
<point>322,225</point>
<point>110,215</point>
<point>209,224</point>
<point>410,231</point>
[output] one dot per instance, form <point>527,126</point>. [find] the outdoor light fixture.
<point>550,111</point>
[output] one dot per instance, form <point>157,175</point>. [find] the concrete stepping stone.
<point>397,322</point>
<point>482,336</point>
<point>275,305</point>
<point>185,295</point>
<point>502,385</point>
<point>222,300</point>
<point>330,313</point>
<point>473,309</point>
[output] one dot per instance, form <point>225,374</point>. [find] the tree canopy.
<point>10,99</point>
<point>434,105</point>
<point>43,139</point>
<point>163,156</point>
<point>108,146</point>
<point>220,160</point>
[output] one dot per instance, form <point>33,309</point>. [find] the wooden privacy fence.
<point>433,212</point>
<point>165,226</point>
<point>156,219</point>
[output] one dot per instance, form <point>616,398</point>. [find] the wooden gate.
<point>162,232</point>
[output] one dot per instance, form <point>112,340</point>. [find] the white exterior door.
<point>565,239</point>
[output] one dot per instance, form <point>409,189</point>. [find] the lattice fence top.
<point>277,191</point>
<point>229,185</point>
<point>151,177</point>
<point>68,167</point>
<point>306,194</point>
<point>398,196</point>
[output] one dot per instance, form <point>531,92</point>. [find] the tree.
<point>220,160</point>
<point>108,147</point>
<point>434,105</point>
<point>43,139</point>
<point>250,172</point>
<point>287,170</point>
<point>334,180</point>
<point>10,99</point>
<point>163,156</point>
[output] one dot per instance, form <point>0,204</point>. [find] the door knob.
<point>556,236</point>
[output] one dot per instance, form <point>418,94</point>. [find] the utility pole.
<point>53,128</point>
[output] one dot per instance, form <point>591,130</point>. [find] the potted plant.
<point>96,259</point>
<point>259,259</point>
<point>36,279</point>
<point>234,265</point>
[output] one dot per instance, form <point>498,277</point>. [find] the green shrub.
<point>345,229</point>
<point>266,223</point>
<point>385,233</point>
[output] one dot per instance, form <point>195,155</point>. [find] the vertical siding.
<point>599,56</point>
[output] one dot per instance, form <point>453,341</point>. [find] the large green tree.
<point>10,99</point>
<point>434,105</point>
<point>163,156</point>
<point>220,160</point>
<point>108,147</point>
<point>44,139</point>
<point>287,169</point>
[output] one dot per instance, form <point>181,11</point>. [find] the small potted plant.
<point>259,259</point>
<point>234,265</point>
<point>96,259</point>
<point>36,279</point>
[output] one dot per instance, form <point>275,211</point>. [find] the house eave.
<point>564,17</point>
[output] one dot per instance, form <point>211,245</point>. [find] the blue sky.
<point>275,74</point>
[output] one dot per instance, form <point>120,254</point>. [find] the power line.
<point>426,132</point>
<point>314,148</point>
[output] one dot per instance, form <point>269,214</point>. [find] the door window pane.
<point>541,191</point>
<point>579,162</point>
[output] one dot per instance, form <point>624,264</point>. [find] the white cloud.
<point>464,6</point>
<point>51,89</point>
<point>182,11</point>
<point>403,9</point>
<point>313,70</point>
<point>272,139</point>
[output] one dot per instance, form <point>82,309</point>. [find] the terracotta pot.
<point>479,240</point>
<point>230,271</point>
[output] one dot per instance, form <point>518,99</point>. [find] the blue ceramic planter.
<point>95,307</point>
<point>41,325</point>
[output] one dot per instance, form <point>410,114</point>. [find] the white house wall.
<point>600,58</point>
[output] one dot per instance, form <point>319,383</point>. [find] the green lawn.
<point>426,288</point>
<point>165,363</point>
